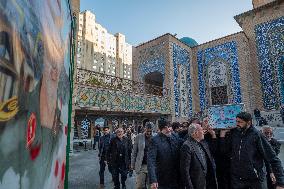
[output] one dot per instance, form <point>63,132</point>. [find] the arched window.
<point>218,83</point>
<point>154,83</point>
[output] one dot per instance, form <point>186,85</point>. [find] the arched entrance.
<point>154,82</point>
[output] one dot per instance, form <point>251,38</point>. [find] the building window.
<point>219,95</point>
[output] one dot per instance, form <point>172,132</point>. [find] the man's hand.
<point>223,133</point>
<point>154,185</point>
<point>211,131</point>
<point>273,179</point>
<point>279,187</point>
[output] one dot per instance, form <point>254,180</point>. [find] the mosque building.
<point>245,67</point>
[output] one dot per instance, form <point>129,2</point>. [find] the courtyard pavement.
<point>84,172</point>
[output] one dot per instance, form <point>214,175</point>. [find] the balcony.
<point>100,80</point>
<point>97,91</point>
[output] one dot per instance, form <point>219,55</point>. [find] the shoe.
<point>102,186</point>
<point>123,187</point>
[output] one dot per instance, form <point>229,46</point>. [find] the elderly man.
<point>248,150</point>
<point>197,166</point>
<point>163,158</point>
<point>119,158</point>
<point>139,156</point>
<point>268,133</point>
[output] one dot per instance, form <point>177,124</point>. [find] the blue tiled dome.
<point>189,41</point>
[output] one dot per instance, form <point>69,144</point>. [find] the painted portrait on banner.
<point>224,116</point>
<point>34,92</point>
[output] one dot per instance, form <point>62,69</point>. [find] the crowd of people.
<point>192,155</point>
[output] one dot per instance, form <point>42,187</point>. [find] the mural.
<point>182,81</point>
<point>270,47</point>
<point>105,99</point>
<point>222,56</point>
<point>34,93</point>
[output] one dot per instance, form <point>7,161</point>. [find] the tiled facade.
<point>182,81</point>
<point>270,47</point>
<point>218,66</point>
<point>263,27</point>
<point>171,58</point>
<point>111,100</point>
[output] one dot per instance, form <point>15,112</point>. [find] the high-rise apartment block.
<point>101,51</point>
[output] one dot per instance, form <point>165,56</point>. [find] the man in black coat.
<point>249,149</point>
<point>163,158</point>
<point>104,144</point>
<point>197,166</point>
<point>119,156</point>
<point>268,133</point>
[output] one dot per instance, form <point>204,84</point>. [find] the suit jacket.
<point>191,168</point>
<point>138,152</point>
<point>113,153</point>
<point>163,161</point>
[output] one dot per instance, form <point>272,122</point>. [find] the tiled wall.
<point>105,99</point>
<point>181,81</point>
<point>224,53</point>
<point>270,47</point>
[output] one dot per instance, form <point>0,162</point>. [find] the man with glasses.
<point>163,158</point>
<point>104,143</point>
<point>139,156</point>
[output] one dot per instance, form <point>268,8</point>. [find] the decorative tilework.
<point>105,99</point>
<point>225,53</point>
<point>217,73</point>
<point>154,65</point>
<point>182,81</point>
<point>270,47</point>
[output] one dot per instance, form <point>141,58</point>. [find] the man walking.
<point>268,133</point>
<point>163,158</point>
<point>248,149</point>
<point>119,158</point>
<point>139,156</point>
<point>104,143</point>
<point>197,166</point>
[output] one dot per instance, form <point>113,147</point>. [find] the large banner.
<point>34,92</point>
<point>224,116</point>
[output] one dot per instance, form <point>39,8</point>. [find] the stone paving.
<point>84,172</point>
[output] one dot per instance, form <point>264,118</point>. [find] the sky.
<point>143,20</point>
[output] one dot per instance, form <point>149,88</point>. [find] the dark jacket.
<point>113,154</point>
<point>248,149</point>
<point>275,145</point>
<point>192,170</point>
<point>163,161</point>
<point>104,144</point>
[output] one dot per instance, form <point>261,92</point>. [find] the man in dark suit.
<point>163,158</point>
<point>104,143</point>
<point>119,158</point>
<point>197,167</point>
